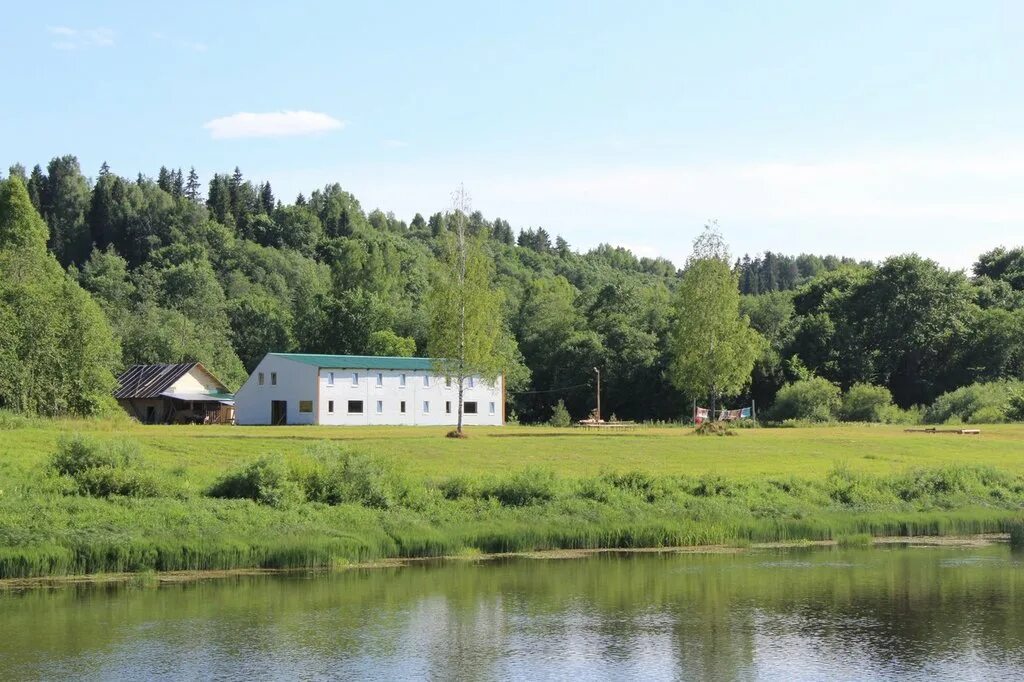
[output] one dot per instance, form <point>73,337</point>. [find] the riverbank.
<point>178,577</point>
<point>109,503</point>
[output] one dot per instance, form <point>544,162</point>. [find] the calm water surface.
<point>901,613</point>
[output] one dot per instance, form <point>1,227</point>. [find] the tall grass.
<point>335,506</point>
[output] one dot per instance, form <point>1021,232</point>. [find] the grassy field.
<point>130,497</point>
<point>207,451</point>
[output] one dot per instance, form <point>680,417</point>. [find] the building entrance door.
<point>278,412</point>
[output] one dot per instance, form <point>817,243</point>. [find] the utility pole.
<point>598,372</point>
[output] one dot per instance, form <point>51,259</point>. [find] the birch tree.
<point>712,347</point>
<point>464,306</point>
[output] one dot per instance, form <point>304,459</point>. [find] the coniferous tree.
<point>192,189</point>
<point>164,180</point>
<point>266,198</point>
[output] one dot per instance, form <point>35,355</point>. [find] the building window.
<point>305,406</point>
<point>447,382</point>
<point>380,406</point>
<point>355,407</point>
<point>330,378</point>
<point>380,378</point>
<point>355,378</point>
<point>273,378</point>
<point>490,408</point>
<point>469,407</point>
<point>401,407</point>
<point>426,380</point>
<point>330,406</point>
<point>447,407</point>
<point>426,407</point>
<point>261,378</point>
<point>401,381</point>
<point>471,382</point>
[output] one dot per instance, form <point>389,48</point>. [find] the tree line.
<point>222,272</point>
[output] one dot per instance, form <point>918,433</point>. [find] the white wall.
<point>391,394</point>
<point>296,381</point>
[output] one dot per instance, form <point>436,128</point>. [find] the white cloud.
<point>67,38</point>
<point>272,124</point>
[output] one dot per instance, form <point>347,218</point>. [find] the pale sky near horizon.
<point>862,129</point>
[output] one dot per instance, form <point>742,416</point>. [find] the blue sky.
<point>859,128</point>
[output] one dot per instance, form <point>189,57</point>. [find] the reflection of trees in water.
<point>708,616</point>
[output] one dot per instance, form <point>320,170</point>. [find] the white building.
<point>298,388</point>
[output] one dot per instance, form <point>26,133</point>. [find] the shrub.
<point>355,477</point>
<point>10,420</point>
<point>814,399</point>
<point>1015,406</point>
<point>560,416</point>
<point>103,469</point>
<point>980,402</point>
<point>866,403</point>
<point>265,480</point>
<point>528,486</point>
<point>458,487</point>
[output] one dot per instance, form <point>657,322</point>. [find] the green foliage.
<point>526,487</point>
<point>57,353</point>
<point>815,400</point>
<point>1015,405</point>
<point>465,310</point>
<point>104,469</point>
<point>713,348</point>
<point>560,415</point>
<point>343,476</point>
<point>387,343</point>
<point>265,480</point>
<point>866,403</point>
<point>980,403</point>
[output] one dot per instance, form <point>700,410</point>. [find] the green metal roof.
<point>357,361</point>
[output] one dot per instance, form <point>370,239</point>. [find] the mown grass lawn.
<point>207,451</point>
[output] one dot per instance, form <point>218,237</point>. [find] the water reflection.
<point>810,614</point>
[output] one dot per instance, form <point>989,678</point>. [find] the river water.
<point>897,613</point>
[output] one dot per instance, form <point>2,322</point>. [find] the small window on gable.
<point>490,408</point>
<point>426,407</point>
<point>380,378</point>
<point>380,406</point>
<point>469,407</point>
<point>305,406</point>
<point>355,407</point>
<point>330,378</point>
<point>471,382</point>
<point>401,381</point>
<point>273,378</point>
<point>355,378</point>
<point>448,382</point>
<point>426,380</point>
<point>261,378</point>
<point>330,406</point>
<point>401,407</point>
<point>447,407</point>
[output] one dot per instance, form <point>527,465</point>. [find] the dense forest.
<point>224,271</point>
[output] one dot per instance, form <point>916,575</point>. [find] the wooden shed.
<point>182,393</point>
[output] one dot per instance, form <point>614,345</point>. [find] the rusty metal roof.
<point>150,381</point>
